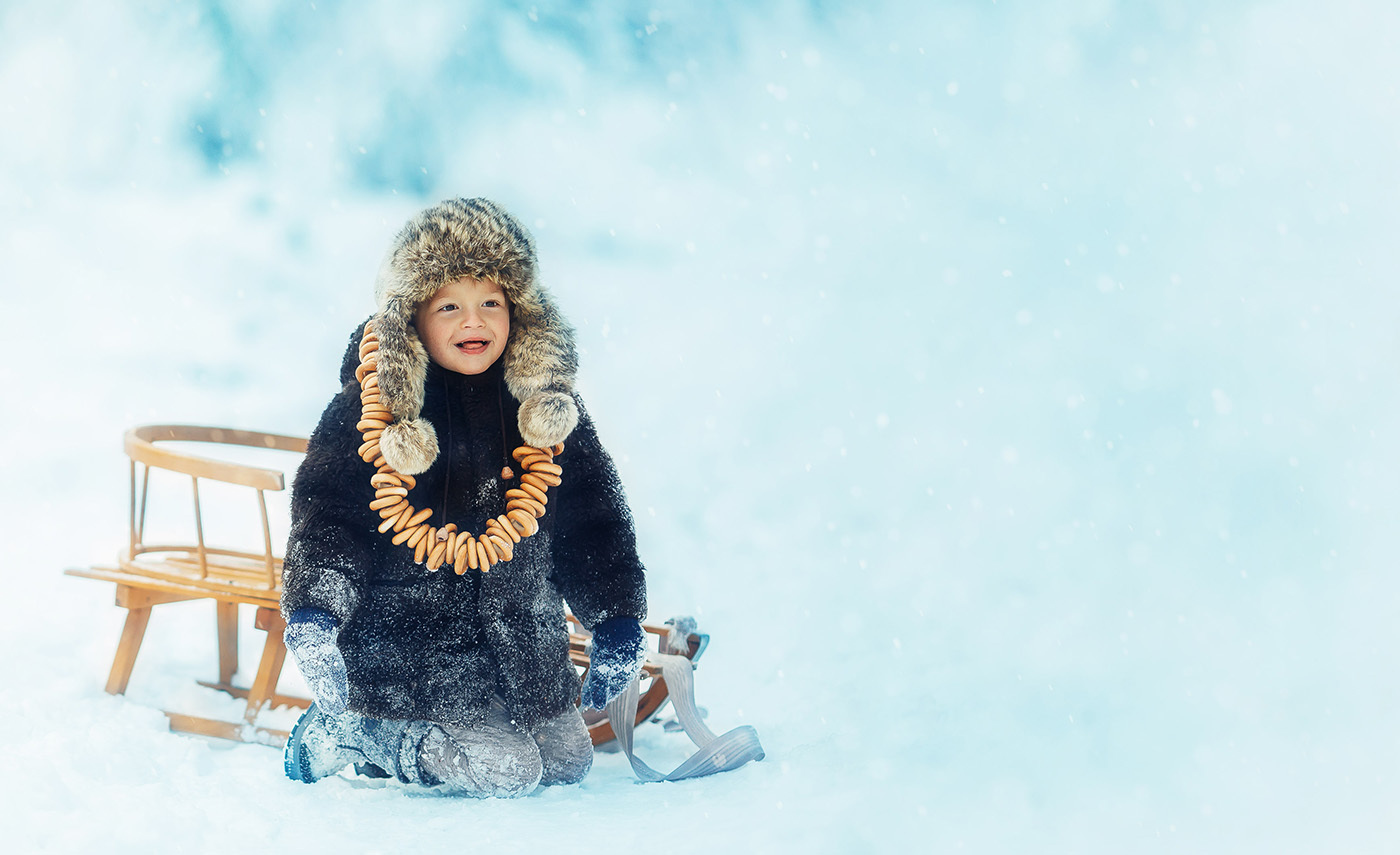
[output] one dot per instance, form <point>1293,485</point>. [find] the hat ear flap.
<point>541,361</point>
<point>410,443</point>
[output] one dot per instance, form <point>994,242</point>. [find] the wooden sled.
<point>148,575</point>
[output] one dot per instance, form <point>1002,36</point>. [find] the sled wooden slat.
<point>218,564</point>
<point>132,585</point>
<point>226,730</point>
<point>226,619</point>
<point>140,445</point>
<point>133,631</point>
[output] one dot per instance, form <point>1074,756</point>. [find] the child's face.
<point>465,325</point>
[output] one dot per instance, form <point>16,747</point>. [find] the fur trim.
<point>546,418</point>
<point>410,446</point>
<point>470,237</point>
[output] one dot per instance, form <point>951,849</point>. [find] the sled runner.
<point>151,574</point>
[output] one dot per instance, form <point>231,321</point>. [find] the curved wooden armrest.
<point>140,444</point>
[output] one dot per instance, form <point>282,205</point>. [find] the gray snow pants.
<point>494,760</point>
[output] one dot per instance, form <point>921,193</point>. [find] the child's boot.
<point>317,748</point>
<point>321,745</point>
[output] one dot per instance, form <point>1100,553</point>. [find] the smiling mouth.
<point>472,346</point>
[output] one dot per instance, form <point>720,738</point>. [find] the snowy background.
<point>1008,387</point>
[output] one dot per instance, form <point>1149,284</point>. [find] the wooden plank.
<point>240,732</point>
<point>242,692</point>
<point>129,597</point>
<point>182,572</point>
<point>140,445</point>
<point>270,564</point>
<point>132,632</point>
<point>222,564</point>
<point>135,536</point>
<point>269,668</point>
<point>179,585</point>
<point>226,618</point>
<point>199,532</point>
<point>199,467</point>
<point>219,435</point>
<point>268,619</point>
<point>258,597</point>
<point>236,560</point>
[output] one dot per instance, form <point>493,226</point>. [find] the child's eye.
<point>447,307</point>
<point>491,304</point>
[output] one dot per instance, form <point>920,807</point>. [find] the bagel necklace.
<point>439,547</point>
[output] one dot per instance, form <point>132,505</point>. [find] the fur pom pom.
<point>546,418</point>
<point>410,446</point>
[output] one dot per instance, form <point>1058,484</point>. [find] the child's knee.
<point>484,762</point>
<point>565,747</point>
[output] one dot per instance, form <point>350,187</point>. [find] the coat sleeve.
<point>596,566</point>
<point>329,546</point>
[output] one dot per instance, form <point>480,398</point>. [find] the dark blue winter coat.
<point>436,646</point>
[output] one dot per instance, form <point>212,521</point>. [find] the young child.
<point>427,670</point>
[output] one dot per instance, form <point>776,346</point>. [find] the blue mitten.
<point>619,649</point>
<point>310,637</point>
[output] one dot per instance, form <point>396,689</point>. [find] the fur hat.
<point>470,237</point>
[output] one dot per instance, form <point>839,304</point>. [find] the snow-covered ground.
<point>1008,388</point>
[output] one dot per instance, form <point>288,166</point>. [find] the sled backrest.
<point>198,561</point>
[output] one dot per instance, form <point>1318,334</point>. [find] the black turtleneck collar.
<point>437,376</point>
<point>473,391</point>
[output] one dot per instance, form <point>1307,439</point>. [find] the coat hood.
<point>470,237</point>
